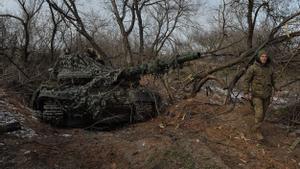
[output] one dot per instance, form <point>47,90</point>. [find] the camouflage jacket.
<point>259,80</point>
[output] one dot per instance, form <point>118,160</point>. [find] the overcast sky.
<point>10,6</point>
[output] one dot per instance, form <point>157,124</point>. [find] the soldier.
<point>259,81</point>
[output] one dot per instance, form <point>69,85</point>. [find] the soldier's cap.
<point>261,52</point>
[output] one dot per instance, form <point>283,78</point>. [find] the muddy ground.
<point>193,133</point>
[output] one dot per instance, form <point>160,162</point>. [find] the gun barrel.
<point>158,66</point>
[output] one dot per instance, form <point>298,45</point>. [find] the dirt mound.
<point>15,117</point>
<point>194,133</point>
<point>145,145</point>
<point>228,134</point>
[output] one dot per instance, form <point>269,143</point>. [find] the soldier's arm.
<point>248,79</point>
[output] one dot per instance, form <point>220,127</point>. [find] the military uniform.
<point>259,80</point>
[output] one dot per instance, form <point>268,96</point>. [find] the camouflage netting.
<point>82,90</point>
<point>79,65</point>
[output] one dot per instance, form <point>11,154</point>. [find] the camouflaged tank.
<point>82,91</point>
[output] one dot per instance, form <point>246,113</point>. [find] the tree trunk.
<point>141,28</point>
<point>128,51</point>
<point>250,24</point>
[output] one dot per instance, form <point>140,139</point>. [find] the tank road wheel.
<point>144,111</point>
<point>52,113</point>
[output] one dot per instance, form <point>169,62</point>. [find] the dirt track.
<point>195,133</point>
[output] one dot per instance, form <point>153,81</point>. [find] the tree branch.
<point>16,65</point>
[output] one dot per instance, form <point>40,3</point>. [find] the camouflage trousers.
<point>260,106</point>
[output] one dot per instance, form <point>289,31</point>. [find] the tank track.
<point>144,111</point>
<point>52,113</point>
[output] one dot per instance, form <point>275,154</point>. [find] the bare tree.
<point>71,14</point>
<point>120,17</point>
<point>157,20</point>
<point>56,20</point>
<point>167,15</point>
<point>275,37</point>
<point>29,10</point>
<point>139,6</point>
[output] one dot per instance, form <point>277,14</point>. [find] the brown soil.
<point>194,133</point>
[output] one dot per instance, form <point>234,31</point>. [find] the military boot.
<point>259,136</point>
<point>257,131</point>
